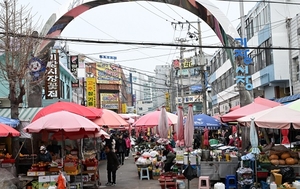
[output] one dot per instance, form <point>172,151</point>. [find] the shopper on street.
<point>121,148</point>
<point>112,166</point>
<point>128,145</point>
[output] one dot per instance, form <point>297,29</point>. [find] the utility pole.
<point>202,70</point>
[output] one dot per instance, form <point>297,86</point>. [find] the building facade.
<point>265,27</point>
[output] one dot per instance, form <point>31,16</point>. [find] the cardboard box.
<point>40,173</point>
<point>45,182</point>
<point>31,173</point>
<point>192,159</point>
<point>44,179</point>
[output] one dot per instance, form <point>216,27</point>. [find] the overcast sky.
<point>133,21</point>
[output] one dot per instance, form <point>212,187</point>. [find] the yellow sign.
<point>91,92</point>
<point>108,73</point>
<point>187,63</point>
<point>109,97</point>
<point>124,108</point>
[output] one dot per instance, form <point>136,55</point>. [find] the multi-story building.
<point>265,27</point>
<point>161,85</point>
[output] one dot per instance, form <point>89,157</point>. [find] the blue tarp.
<point>288,98</point>
<point>9,121</point>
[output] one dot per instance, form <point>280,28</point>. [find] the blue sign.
<point>196,88</point>
<point>108,57</point>
<point>244,76</point>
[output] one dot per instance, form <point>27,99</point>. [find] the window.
<point>297,68</point>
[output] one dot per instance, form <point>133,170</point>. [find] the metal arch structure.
<point>204,9</point>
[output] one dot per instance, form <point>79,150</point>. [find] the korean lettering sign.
<point>74,68</point>
<point>52,82</point>
<point>91,91</point>
<point>242,71</point>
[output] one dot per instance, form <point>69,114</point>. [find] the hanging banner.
<point>74,64</point>
<point>91,91</point>
<point>52,80</point>
<point>108,73</point>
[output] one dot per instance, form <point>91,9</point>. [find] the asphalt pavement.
<point>127,177</point>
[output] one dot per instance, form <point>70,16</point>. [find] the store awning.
<point>288,98</point>
<point>25,114</point>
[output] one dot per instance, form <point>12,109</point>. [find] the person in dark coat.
<point>44,155</point>
<point>121,148</point>
<point>112,165</point>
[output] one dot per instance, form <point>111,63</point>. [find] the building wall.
<point>268,27</point>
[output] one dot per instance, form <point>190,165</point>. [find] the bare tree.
<point>17,46</point>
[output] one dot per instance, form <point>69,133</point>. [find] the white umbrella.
<point>189,127</point>
<point>254,138</point>
<point>163,124</point>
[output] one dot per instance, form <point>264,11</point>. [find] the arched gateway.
<point>204,9</point>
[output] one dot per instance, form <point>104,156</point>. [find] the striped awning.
<point>25,114</point>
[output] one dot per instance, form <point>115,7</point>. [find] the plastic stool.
<point>230,182</point>
<point>204,182</point>
<point>147,176</point>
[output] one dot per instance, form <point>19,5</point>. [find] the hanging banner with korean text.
<point>243,77</point>
<point>91,91</point>
<point>52,80</point>
<point>74,70</point>
<point>108,73</point>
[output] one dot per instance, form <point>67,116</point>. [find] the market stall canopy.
<point>97,111</point>
<point>280,117</point>
<point>151,119</point>
<point>110,119</point>
<point>259,100</point>
<point>243,111</point>
<point>127,118</point>
<point>25,114</point>
<point>66,106</point>
<point>79,135</point>
<point>62,121</point>
<point>8,121</point>
<point>205,121</point>
<point>133,116</point>
<point>8,131</point>
<point>294,105</point>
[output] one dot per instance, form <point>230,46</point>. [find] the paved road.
<point>127,178</point>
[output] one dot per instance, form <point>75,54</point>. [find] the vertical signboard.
<point>91,91</point>
<point>242,70</point>
<point>74,65</point>
<point>52,80</point>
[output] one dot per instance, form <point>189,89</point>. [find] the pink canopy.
<point>152,119</point>
<point>189,128</point>
<point>62,121</point>
<point>110,119</point>
<point>179,125</point>
<point>280,117</point>
<point>79,135</point>
<point>260,100</point>
<point>243,111</point>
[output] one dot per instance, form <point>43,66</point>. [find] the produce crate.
<point>70,169</point>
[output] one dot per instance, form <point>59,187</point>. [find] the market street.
<point>127,177</point>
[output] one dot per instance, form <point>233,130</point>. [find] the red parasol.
<point>7,131</point>
<point>163,125</point>
<point>62,121</point>
<point>206,137</point>
<point>110,119</point>
<point>189,127</point>
<point>69,107</point>
<point>151,119</point>
<point>179,126</point>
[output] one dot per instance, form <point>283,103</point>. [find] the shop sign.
<point>91,91</point>
<point>108,73</point>
<point>109,97</point>
<point>74,69</point>
<point>242,71</point>
<point>188,99</point>
<point>178,100</point>
<point>110,106</point>
<point>52,82</point>
<point>124,108</point>
<point>187,63</point>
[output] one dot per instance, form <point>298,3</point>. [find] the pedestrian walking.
<point>112,166</point>
<point>128,145</point>
<point>121,148</point>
